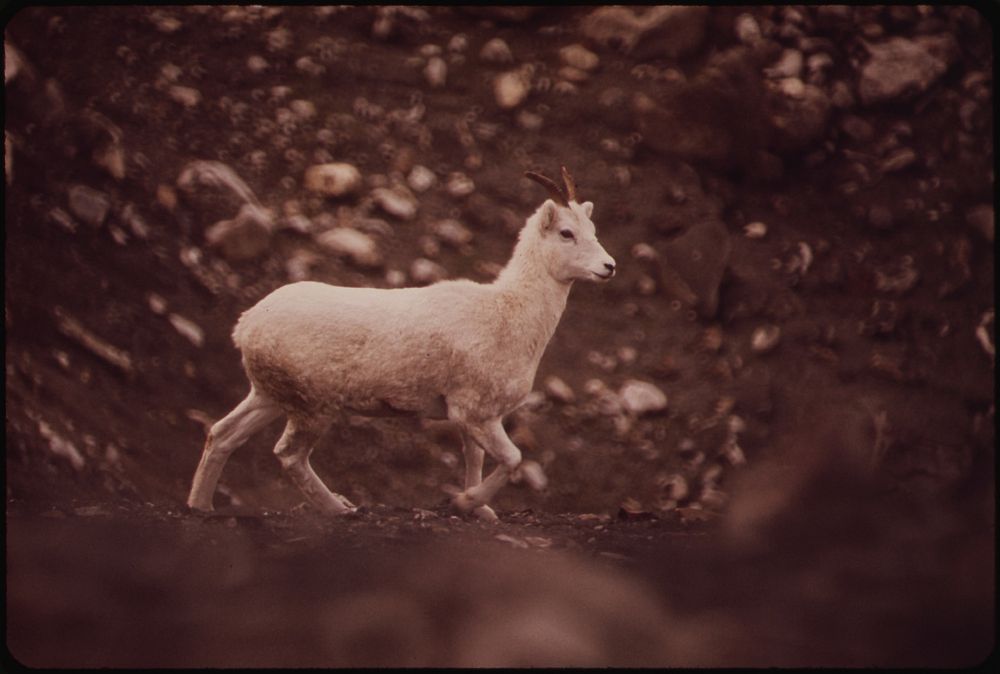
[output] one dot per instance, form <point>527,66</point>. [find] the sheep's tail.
<point>239,331</point>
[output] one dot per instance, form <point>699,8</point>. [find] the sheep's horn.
<point>570,185</point>
<point>550,185</point>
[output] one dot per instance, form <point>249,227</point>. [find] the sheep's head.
<point>567,236</point>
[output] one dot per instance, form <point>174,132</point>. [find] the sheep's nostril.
<point>610,266</point>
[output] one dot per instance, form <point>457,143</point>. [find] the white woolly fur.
<point>456,349</point>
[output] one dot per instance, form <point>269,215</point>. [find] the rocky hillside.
<point>799,198</point>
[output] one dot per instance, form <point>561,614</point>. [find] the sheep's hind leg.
<point>474,455</point>
<point>251,415</point>
<point>293,450</point>
<point>493,438</point>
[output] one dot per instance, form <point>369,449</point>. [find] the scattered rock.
<point>89,205</point>
<point>747,30</point>
<point>333,180</point>
<point>60,446</point>
<point>212,174</point>
<point>436,72</point>
<point>421,178</point>
<point>72,328</point>
<point>579,57</point>
<point>982,219</point>
<point>799,115</point>
<point>396,202</point>
<point>640,397</point>
<point>244,237</point>
<point>765,338</point>
<point>302,109</point>
<point>189,97</point>
<point>511,88</point>
<point>788,65</point>
<point>755,230</point>
<point>899,67</point>
<point>188,328</point>
<point>460,185</point>
<point>358,246</point>
<point>900,159</point>
<point>452,232</point>
<point>653,32</point>
<point>559,390</point>
<point>856,128</point>
<point>425,272</point>
<point>496,51</point>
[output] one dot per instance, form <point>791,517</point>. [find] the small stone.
<point>496,51</point>
<point>765,338</point>
<point>245,237</point>
<point>425,272</point>
<point>675,487</point>
<point>789,65</point>
<point>511,88</point>
<point>188,328</point>
<point>981,218</point>
<point>755,230</point>
<point>186,96</point>
<point>898,160</point>
<point>857,128</point>
<point>460,185</point>
<point>452,232</point>
<point>792,87</point>
<point>395,202</point>
<point>333,180</point>
<point>578,56</point>
<point>530,121</point>
<point>157,304</point>
<point>747,29</point>
<point>358,246</point>
<point>575,75</point>
<point>421,178</point>
<point>559,390</point>
<point>436,72</point>
<point>302,109</point>
<point>309,66</point>
<point>257,64</point>
<point>89,205</point>
<point>394,278</point>
<point>640,397</point>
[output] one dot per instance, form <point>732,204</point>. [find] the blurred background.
<point>769,439</point>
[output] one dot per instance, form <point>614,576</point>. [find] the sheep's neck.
<point>535,296</point>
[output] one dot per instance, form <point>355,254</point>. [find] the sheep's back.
<point>312,345</point>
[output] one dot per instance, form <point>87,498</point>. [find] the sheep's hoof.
<point>486,514</point>
<point>464,502</point>
<point>532,473</point>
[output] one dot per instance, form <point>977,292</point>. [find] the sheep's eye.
<point>566,234</point>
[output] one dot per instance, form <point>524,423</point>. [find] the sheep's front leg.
<point>293,450</point>
<point>492,437</point>
<point>474,455</point>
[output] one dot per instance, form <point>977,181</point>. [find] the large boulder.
<point>898,68</point>
<point>652,32</point>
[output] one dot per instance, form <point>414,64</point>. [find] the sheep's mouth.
<point>604,277</point>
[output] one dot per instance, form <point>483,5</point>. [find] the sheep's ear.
<point>588,207</point>
<point>547,217</point>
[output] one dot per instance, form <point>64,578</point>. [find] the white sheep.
<point>456,350</point>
